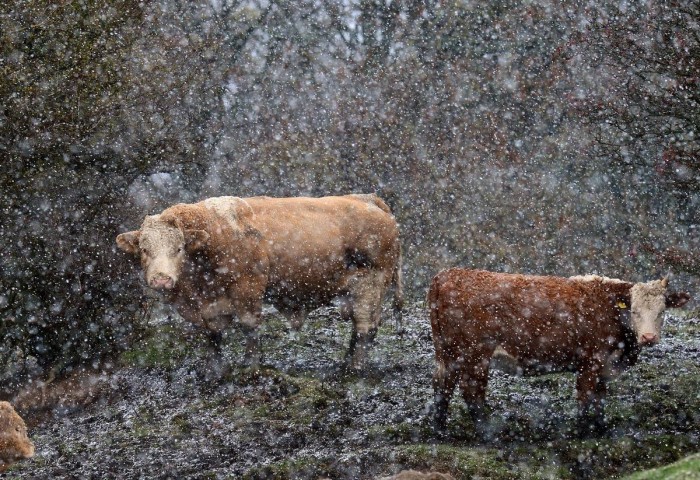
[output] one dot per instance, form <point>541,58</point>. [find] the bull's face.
<point>162,247</point>
<point>648,302</point>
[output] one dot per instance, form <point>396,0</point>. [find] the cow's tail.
<point>397,281</point>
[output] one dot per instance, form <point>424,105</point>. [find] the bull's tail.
<point>397,282</point>
<point>374,199</point>
<point>433,300</point>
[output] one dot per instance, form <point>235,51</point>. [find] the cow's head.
<point>647,303</point>
<point>162,244</point>
<point>14,442</point>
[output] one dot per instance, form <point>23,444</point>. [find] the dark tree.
<point>639,71</point>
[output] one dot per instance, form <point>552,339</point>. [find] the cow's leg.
<point>472,383</point>
<point>590,391</point>
<point>444,381</point>
<point>296,318</point>
<point>366,291</point>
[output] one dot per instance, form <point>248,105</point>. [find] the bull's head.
<point>162,245</point>
<point>647,303</point>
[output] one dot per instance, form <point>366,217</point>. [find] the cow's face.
<point>648,302</point>
<point>162,246</point>
<point>14,433</point>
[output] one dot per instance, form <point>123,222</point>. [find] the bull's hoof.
<point>350,368</point>
<point>214,369</point>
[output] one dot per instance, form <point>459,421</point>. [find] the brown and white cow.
<point>590,325</point>
<point>14,442</point>
<point>219,258</point>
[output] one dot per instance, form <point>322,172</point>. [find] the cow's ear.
<point>196,239</point>
<point>129,241</point>
<point>677,299</point>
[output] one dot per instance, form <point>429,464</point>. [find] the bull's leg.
<point>444,381</point>
<point>590,390</point>
<point>214,366</point>
<point>472,383</point>
<point>216,339</point>
<point>249,312</point>
<point>366,295</point>
<point>214,335</point>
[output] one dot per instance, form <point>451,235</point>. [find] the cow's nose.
<point>162,281</point>
<point>649,339</point>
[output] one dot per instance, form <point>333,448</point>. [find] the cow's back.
<point>535,318</point>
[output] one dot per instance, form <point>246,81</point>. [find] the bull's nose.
<point>649,339</point>
<point>162,281</point>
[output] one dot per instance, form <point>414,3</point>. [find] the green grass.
<point>685,469</point>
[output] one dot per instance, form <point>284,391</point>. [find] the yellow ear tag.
<point>621,304</point>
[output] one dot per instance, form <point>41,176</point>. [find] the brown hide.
<point>546,324</point>
<point>14,442</point>
<point>221,257</point>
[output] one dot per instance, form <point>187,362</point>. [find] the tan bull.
<point>14,442</point>
<point>220,258</point>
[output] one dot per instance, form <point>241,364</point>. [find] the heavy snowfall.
<point>523,137</point>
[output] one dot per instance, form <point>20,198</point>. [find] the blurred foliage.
<point>465,117</point>
<point>641,95</point>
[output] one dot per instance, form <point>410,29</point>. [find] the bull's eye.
<point>179,250</point>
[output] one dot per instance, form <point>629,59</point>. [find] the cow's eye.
<point>179,249</point>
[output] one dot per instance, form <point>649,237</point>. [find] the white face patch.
<point>162,252</point>
<point>595,278</point>
<point>648,305</point>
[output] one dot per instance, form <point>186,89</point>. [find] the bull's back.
<point>316,238</point>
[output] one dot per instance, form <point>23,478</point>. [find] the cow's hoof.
<point>588,428</point>
<point>439,427</point>
<point>252,365</point>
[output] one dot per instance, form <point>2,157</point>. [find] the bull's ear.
<point>677,299</point>
<point>664,281</point>
<point>196,239</point>
<point>129,241</point>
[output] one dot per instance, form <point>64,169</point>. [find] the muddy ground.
<point>165,412</point>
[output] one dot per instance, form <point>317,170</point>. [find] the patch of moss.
<point>305,467</point>
<point>463,462</point>
<point>604,457</point>
<point>672,405</point>
<point>165,347</point>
